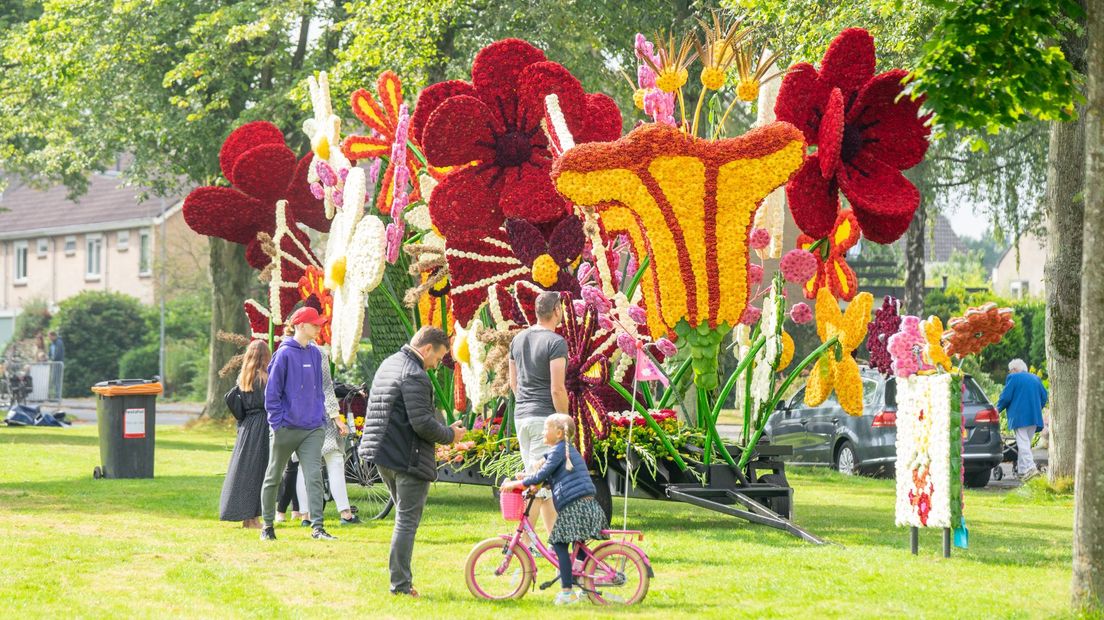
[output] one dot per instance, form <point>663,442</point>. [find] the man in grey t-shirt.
<point>538,364</point>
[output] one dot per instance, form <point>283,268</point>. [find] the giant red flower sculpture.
<point>490,130</point>
<point>866,133</point>
<point>262,170</point>
<point>587,373</point>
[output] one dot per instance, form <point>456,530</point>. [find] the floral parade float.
<point>490,191</point>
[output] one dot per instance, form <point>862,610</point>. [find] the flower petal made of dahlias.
<point>855,321</point>
<point>495,72</point>
<point>264,172</point>
<point>244,138</point>
<point>366,256</point>
<point>347,325</point>
<point>828,315</point>
<point>528,194</point>
<point>465,205</point>
<point>526,241</point>
<point>541,79</point>
<point>881,197</point>
<point>849,62</point>
<point>787,355</point>
<point>801,100</point>
<point>255,255</point>
<point>389,89</point>
<point>461,130</point>
<point>840,278</point>
<point>428,101</point>
<point>830,137</point>
<point>525,296</point>
<point>820,382</point>
<point>386,190</point>
<point>892,129</point>
<point>813,199</point>
<point>365,147</point>
<point>849,386</point>
<point>305,208</point>
<point>371,113</point>
<point>258,318</point>
<point>603,120</point>
<point>226,213</point>
<point>567,241</point>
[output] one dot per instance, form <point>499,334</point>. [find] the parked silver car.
<point>866,444</point>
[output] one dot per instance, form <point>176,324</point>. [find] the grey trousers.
<point>1026,461</point>
<point>409,493</point>
<point>308,444</point>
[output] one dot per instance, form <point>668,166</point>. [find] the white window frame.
<point>42,249</point>
<point>71,239</point>
<point>145,253</point>
<point>20,247</point>
<point>122,240</point>
<point>90,241</point>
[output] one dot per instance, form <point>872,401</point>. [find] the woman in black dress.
<point>241,491</point>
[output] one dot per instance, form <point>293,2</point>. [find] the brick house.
<point>52,248</point>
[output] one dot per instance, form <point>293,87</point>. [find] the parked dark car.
<point>866,444</point>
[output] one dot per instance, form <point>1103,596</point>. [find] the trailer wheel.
<point>97,472</point>
<point>780,505</point>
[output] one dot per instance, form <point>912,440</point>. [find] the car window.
<point>973,394</point>
<point>870,392</point>
<point>891,393</point>
<point>798,400</point>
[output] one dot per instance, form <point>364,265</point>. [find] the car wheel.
<point>846,459</point>
<point>977,479</point>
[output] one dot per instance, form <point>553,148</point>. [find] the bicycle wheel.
<point>373,498</point>
<point>496,573</point>
<point>616,574</point>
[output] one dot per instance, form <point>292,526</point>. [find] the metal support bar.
<point>946,542</point>
<point>762,516</point>
<point>914,540</point>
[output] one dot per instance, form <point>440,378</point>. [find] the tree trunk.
<point>913,302</point>
<point>230,280</point>
<point>1088,513</point>
<point>1065,209</point>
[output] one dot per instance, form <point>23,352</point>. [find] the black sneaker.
<point>268,533</point>
<point>321,534</point>
<point>355,520</point>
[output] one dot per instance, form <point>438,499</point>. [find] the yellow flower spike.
<point>675,58</point>
<point>840,375</point>
<point>545,271</point>
<point>933,332</point>
<point>747,90</point>
<point>787,352</point>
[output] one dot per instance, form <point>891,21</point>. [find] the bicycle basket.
<point>512,504</point>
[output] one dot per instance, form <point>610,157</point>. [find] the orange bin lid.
<point>137,389</point>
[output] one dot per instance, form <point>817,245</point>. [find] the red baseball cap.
<point>307,314</point>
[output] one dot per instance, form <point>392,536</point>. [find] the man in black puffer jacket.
<point>401,429</point>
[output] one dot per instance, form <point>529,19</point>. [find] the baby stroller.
<point>363,478</point>
<point>1011,454</point>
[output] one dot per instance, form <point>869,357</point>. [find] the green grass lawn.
<point>74,546</point>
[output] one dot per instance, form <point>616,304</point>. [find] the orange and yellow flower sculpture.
<point>688,204</point>
<point>839,373</point>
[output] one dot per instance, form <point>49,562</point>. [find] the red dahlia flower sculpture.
<point>490,130</point>
<point>262,170</point>
<point>586,376</point>
<point>865,132</point>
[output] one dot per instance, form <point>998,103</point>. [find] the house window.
<point>70,246</point>
<point>43,248</point>
<point>1019,289</point>
<point>93,245</point>
<point>20,261</point>
<point>122,240</point>
<point>144,253</point>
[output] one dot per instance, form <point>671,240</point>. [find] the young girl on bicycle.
<point>581,518</point>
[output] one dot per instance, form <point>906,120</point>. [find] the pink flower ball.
<point>801,313</point>
<point>751,316</point>
<point>666,347</point>
<point>626,343</point>
<point>579,306</point>
<point>759,238</point>
<point>755,274</point>
<point>317,191</point>
<point>604,322</point>
<point>638,315</point>
<point>798,266</point>
<point>326,173</point>
<point>339,197</point>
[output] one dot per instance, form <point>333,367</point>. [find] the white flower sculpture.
<point>324,131</point>
<point>768,356</point>
<point>470,353</point>
<point>355,261</point>
<point>924,451</point>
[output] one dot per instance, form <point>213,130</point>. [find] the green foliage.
<point>140,363</point>
<point>964,269</point>
<point>990,64</point>
<point>99,329</point>
<point>33,320</point>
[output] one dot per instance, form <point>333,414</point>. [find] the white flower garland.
<point>470,353</point>
<point>923,448</point>
<point>766,359</point>
<point>771,214</point>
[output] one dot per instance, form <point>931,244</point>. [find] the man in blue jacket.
<point>296,409</point>
<point>1023,398</point>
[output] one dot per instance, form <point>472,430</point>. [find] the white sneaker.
<point>1032,473</point>
<point>565,598</point>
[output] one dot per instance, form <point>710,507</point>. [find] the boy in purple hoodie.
<point>297,415</point>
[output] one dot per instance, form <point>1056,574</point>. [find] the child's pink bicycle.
<point>615,572</point>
